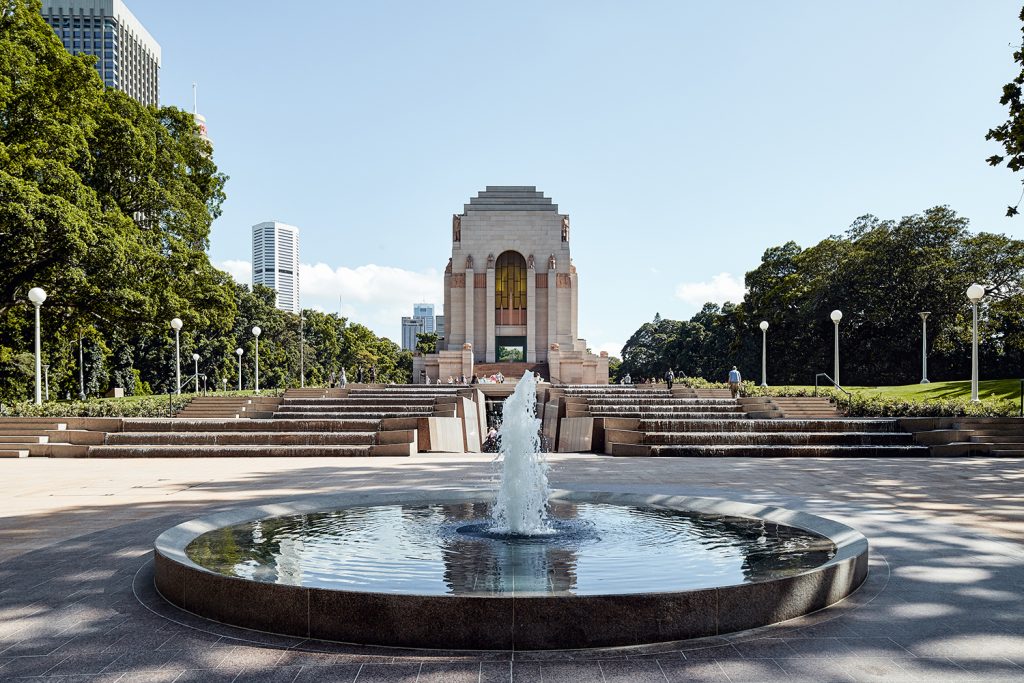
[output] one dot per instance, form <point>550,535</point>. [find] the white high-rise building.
<point>275,262</point>
<point>411,326</point>
<point>127,56</point>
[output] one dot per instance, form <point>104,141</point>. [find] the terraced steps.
<point>221,451</point>
<point>779,451</point>
<point>656,422</point>
<point>989,436</point>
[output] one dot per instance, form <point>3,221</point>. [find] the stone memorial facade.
<point>511,292</point>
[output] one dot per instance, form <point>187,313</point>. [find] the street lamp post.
<point>195,358</point>
<point>924,346</point>
<point>302,353</point>
<point>239,352</point>
<point>836,317</point>
<point>46,381</point>
<point>81,369</point>
<point>764,353</point>
<point>256,333</point>
<point>176,326</point>
<point>37,296</point>
<point>975,293</point>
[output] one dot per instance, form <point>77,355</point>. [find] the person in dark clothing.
<point>669,377</point>
<point>373,374</point>
<point>359,375</point>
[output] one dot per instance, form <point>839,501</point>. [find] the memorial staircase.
<point>353,421</point>
<point>652,421</point>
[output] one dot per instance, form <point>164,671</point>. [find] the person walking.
<point>734,382</point>
<point>669,377</point>
<point>344,380</point>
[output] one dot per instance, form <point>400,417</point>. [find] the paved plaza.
<point>943,600</point>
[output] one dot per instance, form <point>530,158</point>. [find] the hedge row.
<point>877,406</point>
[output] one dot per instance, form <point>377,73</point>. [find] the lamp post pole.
<point>37,296</point>
<point>195,357</point>
<point>176,326</point>
<point>81,369</point>
<point>302,353</point>
<point>764,353</point>
<point>924,346</point>
<point>836,317</point>
<point>239,353</point>
<point>46,381</point>
<point>975,293</point>
<point>256,332</point>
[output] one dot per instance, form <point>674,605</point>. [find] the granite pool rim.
<point>509,620</point>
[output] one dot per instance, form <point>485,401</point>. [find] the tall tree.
<point>1010,134</point>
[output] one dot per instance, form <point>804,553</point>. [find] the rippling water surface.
<point>446,549</point>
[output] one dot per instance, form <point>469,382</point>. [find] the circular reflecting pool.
<point>423,569</point>
<point>437,549</point>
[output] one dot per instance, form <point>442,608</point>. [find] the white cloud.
<point>372,295</point>
<point>376,296</point>
<point>613,348</point>
<point>240,270</point>
<point>721,288</point>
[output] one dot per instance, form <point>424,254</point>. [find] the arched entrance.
<point>510,275</point>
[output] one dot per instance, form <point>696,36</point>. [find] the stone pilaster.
<point>489,345</point>
<point>531,316</point>
<point>574,313</point>
<point>470,304</point>
<point>552,310</point>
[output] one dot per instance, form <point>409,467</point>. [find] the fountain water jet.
<point>521,505</point>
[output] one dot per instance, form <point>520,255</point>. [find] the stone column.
<point>574,312</point>
<point>470,303</point>
<point>531,316</point>
<point>489,346</point>
<point>552,309</point>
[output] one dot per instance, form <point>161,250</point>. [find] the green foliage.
<point>881,273</point>
<point>426,342</point>
<point>150,406</point>
<point>1010,134</point>
<point>107,205</point>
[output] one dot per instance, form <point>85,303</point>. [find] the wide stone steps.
<point>244,425</point>
<point>780,438</point>
<point>222,451</point>
<point>752,425</point>
<point>359,401</point>
<point>241,438</point>
<point>13,453</point>
<point>666,401</point>
<point>351,415</point>
<point>666,408</point>
<point>350,408</point>
<point>665,415</point>
<point>780,451</point>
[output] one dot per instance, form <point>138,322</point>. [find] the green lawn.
<point>1006,389</point>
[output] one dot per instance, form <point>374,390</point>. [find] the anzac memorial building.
<point>511,294</point>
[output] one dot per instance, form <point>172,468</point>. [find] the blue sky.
<point>684,138</point>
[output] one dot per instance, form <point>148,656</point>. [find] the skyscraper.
<point>128,58</point>
<point>421,320</point>
<point>275,262</point>
<point>426,312</point>
<point>411,326</point>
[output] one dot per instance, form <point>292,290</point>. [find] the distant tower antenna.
<point>195,98</point>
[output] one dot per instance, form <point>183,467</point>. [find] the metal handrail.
<point>849,396</point>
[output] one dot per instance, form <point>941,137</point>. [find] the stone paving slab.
<point>944,599</point>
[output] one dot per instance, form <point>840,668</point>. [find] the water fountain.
<point>519,568</point>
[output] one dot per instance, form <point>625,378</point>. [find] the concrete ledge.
<point>505,621</point>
